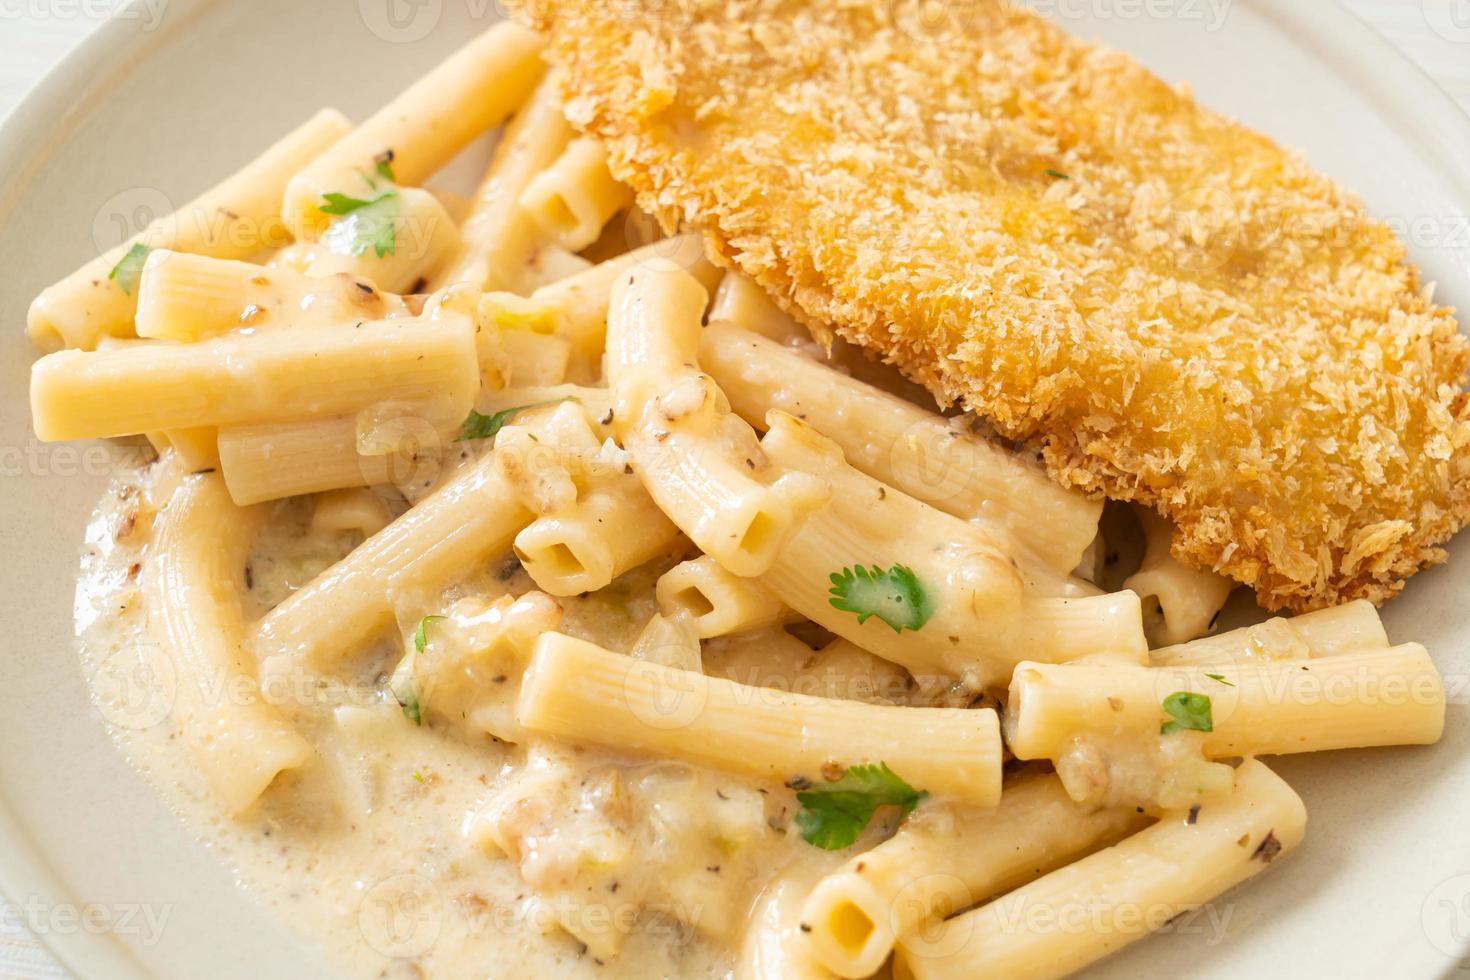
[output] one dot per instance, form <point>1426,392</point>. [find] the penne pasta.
<point>946,860</point>
<point>1188,600</point>
<point>416,134</point>
<point>679,634</point>
<point>235,220</point>
<point>1048,928</point>
<point>773,946</point>
<point>581,301</point>
<point>970,612</point>
<point>192,582</point>
<point>922,454</point>
<point>740,303</point>
<point>700,464</point>
<point>257,378</point>
<point>573,199</point>
<point>188,298</point>
<point>1324,633</point>
<point>576,690</point>
<point>498,238</point>
<point>1357,700</point>
<point>597,523</point>
<point>397,244</point>
<point>470,519</point>
<point>717,602</point>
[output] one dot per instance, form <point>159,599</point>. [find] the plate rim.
<point>65,94</point>
<point>52,106</point>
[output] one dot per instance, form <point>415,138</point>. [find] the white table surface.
<point>35,34</point>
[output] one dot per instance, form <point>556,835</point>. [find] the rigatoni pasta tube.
<point>285,459</point>
<point>469,519</point>
<point>918,452</point>
<point>582,300</point>
<point>192,582</point>
<point>576,196</point>
<point>1375,697</point>
<point>946,859</point>
<point>1085,911</point>
<point>982,617</point>
<point>773,947</point>
<point>717,602</point>
<point>423,238</point>
<point>1189,599</point>
<point>499,238</point>
<point>470,92</point>
<point>699,462</point>
<point>583,548</point>
<point>609,525</point>
<point>742,303</point>
<point>232,221</point>
<point>579,691</point>
<point>1324,633</point>
<point>197,446</point>
<point>241,379</point>
<point>187,297</point>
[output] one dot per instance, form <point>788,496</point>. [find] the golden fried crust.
<point>1174,309</point>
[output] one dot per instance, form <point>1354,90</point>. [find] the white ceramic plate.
<point>148,112</point>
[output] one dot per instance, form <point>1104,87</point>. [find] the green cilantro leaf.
<point>421,635</point>
<point>1220,678</point>
<point>477,426</point>
<point>362,225</point>
<point>895,596</point>
<point>1189,711</point>
<point>340,204</point>
<point>383,166</point>
<point>409,702</point>
<point>401,684</point>
<point>832,816</point>
<point>1057,174</point>
<point>129,268</point>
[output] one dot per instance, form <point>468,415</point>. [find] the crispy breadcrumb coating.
<point>1171,307</point>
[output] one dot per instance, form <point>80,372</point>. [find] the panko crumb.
<point>1171,307</point>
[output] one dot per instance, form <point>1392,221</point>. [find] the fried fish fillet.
<point>1170,307</point>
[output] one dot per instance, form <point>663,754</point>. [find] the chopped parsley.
<point>477,426</point>
<point>129,268</point>
<point>342,204</point>
<point>1189,711</point>
<point>1219,678</point>
<point>1057,174</point>
<point>401,683</point>
<point>361,224</point>
<point>409,702</point>
<point>383,166</point>
<point>894,595</point>
<point>421,635</point>
<point>832,816</point>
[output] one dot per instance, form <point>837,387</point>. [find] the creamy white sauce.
<point>375,851</point>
